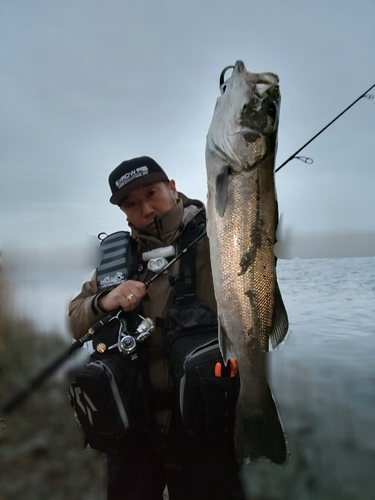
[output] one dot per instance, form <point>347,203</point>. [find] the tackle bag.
<point>206,400</point>
<point>106,395</point>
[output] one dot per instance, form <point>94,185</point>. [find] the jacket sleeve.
<point>83,310</point>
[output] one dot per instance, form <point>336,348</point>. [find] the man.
<point>158,216</point>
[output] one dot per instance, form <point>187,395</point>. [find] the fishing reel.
<point>128,342</point>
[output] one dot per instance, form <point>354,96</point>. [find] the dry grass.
<point>42,454</point>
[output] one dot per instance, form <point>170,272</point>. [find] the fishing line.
<point>309,160</point>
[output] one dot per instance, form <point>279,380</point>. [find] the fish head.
<point>245,121</point>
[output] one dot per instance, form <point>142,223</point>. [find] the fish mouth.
<point>266,78</point>
<point>239,67</point>
<point>259,82</point>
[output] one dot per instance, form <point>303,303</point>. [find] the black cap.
<point>132,174</point>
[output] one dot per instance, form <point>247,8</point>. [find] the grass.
<point>41,452</point>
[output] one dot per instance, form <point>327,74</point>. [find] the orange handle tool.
<point>217,369</point>
<point>233,367</point>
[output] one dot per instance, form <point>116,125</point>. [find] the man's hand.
<point>128,295</point>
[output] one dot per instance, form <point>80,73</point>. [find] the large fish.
<point>242,217</point>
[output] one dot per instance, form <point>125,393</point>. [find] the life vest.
<point>206,390</point>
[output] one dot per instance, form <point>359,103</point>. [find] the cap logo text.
<point>131,176</point>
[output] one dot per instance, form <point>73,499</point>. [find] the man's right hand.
<point>128,296</point>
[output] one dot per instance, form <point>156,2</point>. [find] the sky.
<point>87,84</point>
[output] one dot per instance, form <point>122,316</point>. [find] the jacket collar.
<point>170,224</point>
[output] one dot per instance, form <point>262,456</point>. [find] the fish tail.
<point>258,433</point>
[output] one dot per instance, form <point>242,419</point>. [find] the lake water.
<point>323,376</point>
<point>323,379</point>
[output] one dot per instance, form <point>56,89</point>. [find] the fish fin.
<point>280,320</point>
<point>258,432</point>
<point>226,346</point>
<point>222,191</point>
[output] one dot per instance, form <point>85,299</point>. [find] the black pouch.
<point>188,315</point>
<point>107,397</point>
<point>206,402</point>
<point>118,261</point>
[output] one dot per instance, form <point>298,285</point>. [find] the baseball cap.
<point>131,174</point>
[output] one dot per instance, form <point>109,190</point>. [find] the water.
<point>331,306</point>
<point>333,297</point>
<point>323,380</point>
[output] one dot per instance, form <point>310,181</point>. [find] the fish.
<point>242,217</point>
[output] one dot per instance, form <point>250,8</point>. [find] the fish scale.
<point>234,285</point>
<point>242,216</point>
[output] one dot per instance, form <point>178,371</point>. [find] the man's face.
<point>142,204</point>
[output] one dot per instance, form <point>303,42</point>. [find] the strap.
<point>185,281</point>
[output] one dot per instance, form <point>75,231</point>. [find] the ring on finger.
<point>130,296</point>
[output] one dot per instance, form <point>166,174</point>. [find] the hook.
<point>222,75</point>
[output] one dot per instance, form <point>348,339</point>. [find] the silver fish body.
<point>242,217</point>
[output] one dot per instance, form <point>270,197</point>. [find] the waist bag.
<point>206,401</point>
<point>107,397</point>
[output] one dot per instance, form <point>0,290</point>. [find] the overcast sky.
<point>86,84</point>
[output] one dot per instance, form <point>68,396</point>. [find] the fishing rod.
<point>309,160</point>
<point>22,394</point>
<point>34,382</point>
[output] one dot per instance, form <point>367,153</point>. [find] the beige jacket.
<point>84,310</point>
